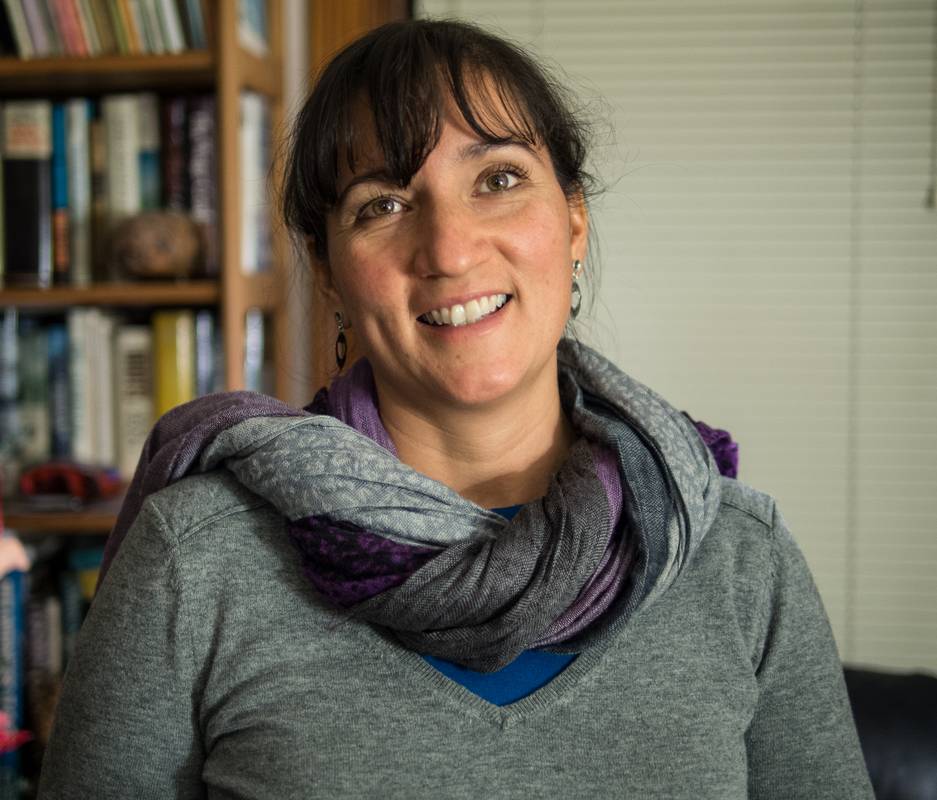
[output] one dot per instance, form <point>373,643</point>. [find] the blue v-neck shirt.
<point>531,670</point>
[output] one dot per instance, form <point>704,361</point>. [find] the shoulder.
<point>201,501</point>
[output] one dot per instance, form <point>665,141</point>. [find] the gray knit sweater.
<point>208,668</point>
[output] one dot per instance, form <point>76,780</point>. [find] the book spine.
<point>133,363</point>
<point>174,353</point>
<point>12,660</point>
<point>79,189</point>
<point>202,183</point>
<point>55,36</point>
<point>104,26</point>
<point>252,26</point>
<point>27,192</point>
<point>148,153</point>
<point>81,382</point>
<point>64,23</point>
<point>136,27</point>
<point>17,17</point>
<point>37,30</point>
<point>104,409</point>
<point>35,433</point>
<point>131,29</point>
<point>154,32</point>
<point>205,334</point>
<point>254,350</point>
<point>60,405</point>
<point>99,213</point>
<point>9,395</point>
<point>86,22</point>
<point>119,26</point>
<point>61,236</point>
<point>122,141</point>
<point>173,32</point>
<point>74,23</point>
<point>175,154</point>
<point>196,25</point>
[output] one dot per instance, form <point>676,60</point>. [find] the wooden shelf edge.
<point>93,520</point>
<point>115,294</point>
<point>189,61</point>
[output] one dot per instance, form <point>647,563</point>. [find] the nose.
<point>451,239</point>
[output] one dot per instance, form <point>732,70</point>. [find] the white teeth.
<point>472,311</point>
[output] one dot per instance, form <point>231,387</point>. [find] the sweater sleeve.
<point>126,722</point>
<point>802,742</point>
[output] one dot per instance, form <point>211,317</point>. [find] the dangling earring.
<point>577,292</point>
<point>341,343</point>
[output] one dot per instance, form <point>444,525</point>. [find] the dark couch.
<point>896,715</point>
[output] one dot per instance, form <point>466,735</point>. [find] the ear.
<point>322,274</point>
<point>578,227</point>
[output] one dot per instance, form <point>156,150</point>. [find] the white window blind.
<point>769,265</point>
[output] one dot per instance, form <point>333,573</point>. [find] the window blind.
<point>768,263</point>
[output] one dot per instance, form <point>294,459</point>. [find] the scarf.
<point>621,519</point>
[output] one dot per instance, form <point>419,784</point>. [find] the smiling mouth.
<point>459,314</point>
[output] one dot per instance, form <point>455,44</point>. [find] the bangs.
<point>393,88</point>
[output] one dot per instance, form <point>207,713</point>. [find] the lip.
<point>449,302</point>
<point>461,333</point>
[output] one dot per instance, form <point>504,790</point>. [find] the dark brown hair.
<point>404,73</point>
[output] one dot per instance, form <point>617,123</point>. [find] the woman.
<point>487,564</point>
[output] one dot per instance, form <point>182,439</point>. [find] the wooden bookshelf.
<point>182,293</point>
<point>96,519</point>
<point>26,77</point>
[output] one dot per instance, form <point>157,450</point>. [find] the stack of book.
<point>74,170</point>
<point>48,28</point>
<point>87,386</point>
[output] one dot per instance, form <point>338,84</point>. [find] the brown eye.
<point>381,207</point>
<point>499,181</point>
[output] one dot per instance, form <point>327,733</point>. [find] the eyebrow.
<point>466,153</point>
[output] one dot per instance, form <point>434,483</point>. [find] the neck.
<point>495,457</point>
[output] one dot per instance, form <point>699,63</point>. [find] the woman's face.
<point>477,224</point>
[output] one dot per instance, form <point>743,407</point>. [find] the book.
<point>7,37</point>
<point>254,163</point>
<point>103,410</point>
<point>202,175</point>
<point>9,395</point>
<point>252,26</point>
<point>81,381</point>
<point>121,114</point>
<point>173,32</point>
<point>97,141</point>
<point>38,34</point>
<point>258,369</point>
<point>195,25</point>
<point>33,408</point>
<point>79,189</point>
<point>12,673</point>
<point>86,23</point>
<point>207,371</point>
<point>103,23</point>
<point>148,119</point>
<point>152,29</point>
<point>60,404</point>
<point>133,383</point>
<point>175,153</point>
<point>174,356</point>
<point>27,193</point>
<point>119,26</point>
<point>17,18</point>
<point>136,26</point>
<point>61,236</point>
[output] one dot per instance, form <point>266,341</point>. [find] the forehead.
<point>485,112</point>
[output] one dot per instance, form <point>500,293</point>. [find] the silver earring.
<point>577,292</point>
<point>341,343</point>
